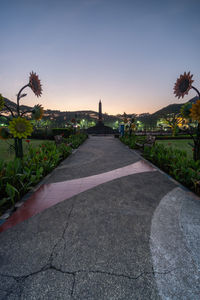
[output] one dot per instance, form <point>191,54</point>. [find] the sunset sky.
<point>128,53</point>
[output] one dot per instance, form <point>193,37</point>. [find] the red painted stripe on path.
<point>50,194</point>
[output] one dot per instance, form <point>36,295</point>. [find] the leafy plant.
<point>66,132</point>
<point>131,141</point>
<point>76,140</point>
<point>11,192</point>
<point>20,175</point>
<point>175,163</point>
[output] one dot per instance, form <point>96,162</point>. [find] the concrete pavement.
<point>132,237</point>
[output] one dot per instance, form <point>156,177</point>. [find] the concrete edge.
<point>175,265</point>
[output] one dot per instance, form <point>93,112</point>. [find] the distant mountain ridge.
<point>90,114</point>
<point>60,116</point>
<point>172,108</point>
<point>13,105</point>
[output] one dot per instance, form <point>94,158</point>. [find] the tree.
<point>173,120</point>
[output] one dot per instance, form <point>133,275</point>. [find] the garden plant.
<point>19,176</point>
<point>173,161</point>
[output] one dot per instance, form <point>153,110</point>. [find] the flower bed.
<point>133,140</point>
<point>17,177</point>
<point>174,162</point>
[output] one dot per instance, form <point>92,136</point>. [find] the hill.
<point>61,116</point>
<point>64,116</point>
<point>172,108</point>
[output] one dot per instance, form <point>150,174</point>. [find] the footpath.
<point>105,224</point>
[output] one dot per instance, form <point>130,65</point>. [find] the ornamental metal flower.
<point>181,88</point>
<point>195,111</point>
<point>183,85</point>
<point>2,102</point>
<point>20,128</point>
<point>35,84</point>
<point>133,126</point>
<point>38,112</point>
<point>4,133</point>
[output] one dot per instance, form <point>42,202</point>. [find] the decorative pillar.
<point>100,111</point>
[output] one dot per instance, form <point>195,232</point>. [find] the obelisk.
<point>100,112</point>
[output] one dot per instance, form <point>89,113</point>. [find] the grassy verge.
<point>184,145</point>
<point>7,152</point>
<point>17,176</point>
<point>175,158</point>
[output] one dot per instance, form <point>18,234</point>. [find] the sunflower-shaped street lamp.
<point>19,126</point>
<point>190,111</point>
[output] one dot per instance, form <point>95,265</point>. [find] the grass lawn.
<point>179,144</point>
<point>7,152</point>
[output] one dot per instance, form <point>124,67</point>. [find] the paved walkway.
<point>104,225</point>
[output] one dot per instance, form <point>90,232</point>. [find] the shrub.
<point>17,177</point>
<point>172,161</point>
<point>175,163</point>
<point>66,132</point>
<point>42,134</point>
<point>76,140</point>
<point>132,140</point>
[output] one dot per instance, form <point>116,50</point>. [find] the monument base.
<point>100,128</point>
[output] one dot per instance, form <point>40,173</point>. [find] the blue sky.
<point>128,53</point>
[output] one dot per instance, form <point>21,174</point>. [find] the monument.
<point>100,112</point>
<point>100,128</point>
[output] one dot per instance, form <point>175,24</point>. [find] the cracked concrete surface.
<point>105,286</point>
<point>101,223</point>
<point>28,246</point>
<point>55,285</point>
<point>95,245</point>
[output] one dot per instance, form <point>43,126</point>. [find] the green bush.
<point>17,177</point>
<point>76,140</point>
<point>42,134</point>
<point>66,132</point>
<point>175,163</point>
<point>132,140</point>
